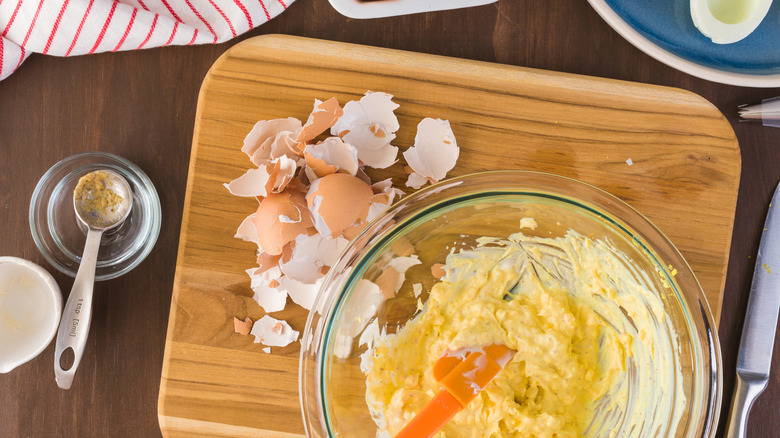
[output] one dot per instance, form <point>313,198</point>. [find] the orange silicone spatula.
<point>461,378</point>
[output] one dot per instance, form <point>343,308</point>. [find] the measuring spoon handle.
<point>74,325</point>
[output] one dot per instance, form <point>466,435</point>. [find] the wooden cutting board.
<point>684,177</point>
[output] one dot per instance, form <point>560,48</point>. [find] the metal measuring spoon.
<point>102,200</point>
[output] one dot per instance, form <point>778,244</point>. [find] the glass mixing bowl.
<point>453,214</point>
<point>60,236</point>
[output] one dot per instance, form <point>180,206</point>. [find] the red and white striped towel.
<point>78,27</point>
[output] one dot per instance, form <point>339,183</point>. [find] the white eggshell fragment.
<point>272,332</point>
<point>416,180</point>
<point>370,125</point>
<point>369,334</point>
<point>394,274</point>
<point>435,150</point>
<point>250,184</point>
<point>310,255</point>
<point>302,294</point>
<point>282,144</point>
<point>271,177</point>
<point>381,158</point>
<point>268,291</point>
<point>265,130</point>
<point>384,196</point>
<point>247,230</point>
<point>366,300</point>
<point>330,156</point>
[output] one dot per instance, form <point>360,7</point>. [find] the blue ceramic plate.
<point>664,30</point>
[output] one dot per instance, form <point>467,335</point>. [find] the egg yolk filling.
<point>596,352</point>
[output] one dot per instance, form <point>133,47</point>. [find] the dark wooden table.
<point>141,105</point>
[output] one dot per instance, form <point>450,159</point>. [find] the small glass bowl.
<point>60,236</point>
<point>453,214</point>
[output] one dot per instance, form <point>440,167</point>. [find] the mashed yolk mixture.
<point>595,349</point>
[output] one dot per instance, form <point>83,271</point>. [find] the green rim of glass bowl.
<point>713,381</point>
<point>145,190</point>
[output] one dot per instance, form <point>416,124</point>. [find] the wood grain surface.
<point>141,105</point>
<point>684,153</point>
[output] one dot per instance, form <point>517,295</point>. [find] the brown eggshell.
<point>322,118</point>
<point>337,202</point>
<point>242,327</point>
<point>266,262</point>
<point>272,232</point>
<point>318,166</point>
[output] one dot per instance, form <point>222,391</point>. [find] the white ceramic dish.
<point>30,310</point>
<point>664,30</point>
<point>391,8</point>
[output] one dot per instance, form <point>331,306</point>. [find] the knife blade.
<point>758,333</point>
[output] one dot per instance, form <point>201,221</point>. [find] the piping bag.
<point>463,374</point>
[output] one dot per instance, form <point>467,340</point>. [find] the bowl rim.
<point>710,408</point>
<point>56,293</point>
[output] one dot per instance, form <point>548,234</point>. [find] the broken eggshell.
<point>263,141</point>
<point>268,293</point>
<point>322,117</point>
<point>280,218</point>
<point>384,196</point>
<point>271,177</point>
<point>272,332</point>
<point>309,255</point>
<point>434,153</point>
<point>331,156</point>
<point>394,274</point>
<point>242,327</point>
<point>338,202</point>
<point>369,124</point>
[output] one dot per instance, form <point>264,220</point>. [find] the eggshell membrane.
<point>302,294</point>
<point>434,153</point>
<point>308,254</point>
<point>416,180</point>
<point>273,332</point>
<point>321,118</point>
<point>247,230</point>
<point>283,144</point>
<point>381,158</point>
<point>337,202</point>
<point>370,125</point>
<point>250,184</point>
<point>265,130</point>
<point>272,228</point>
<point>271,177</point>
<point>267,292</point>
<point>330,156</point>
<point>384,196</point>
<point>280,172</point>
